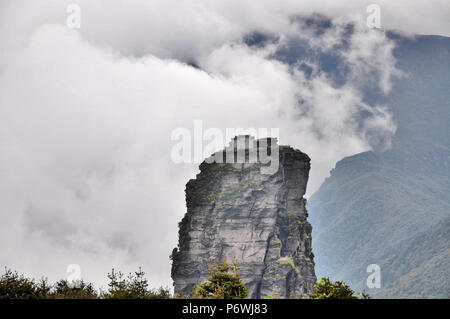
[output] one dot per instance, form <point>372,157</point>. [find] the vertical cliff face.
<point>236,211</point>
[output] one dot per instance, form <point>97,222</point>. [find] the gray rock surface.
<point>235,211</point>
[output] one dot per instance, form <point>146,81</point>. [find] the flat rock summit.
<point>236,211</point>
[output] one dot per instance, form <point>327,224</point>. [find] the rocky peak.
<point>237,210</point>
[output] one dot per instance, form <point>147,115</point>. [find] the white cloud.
<point>185,29</point>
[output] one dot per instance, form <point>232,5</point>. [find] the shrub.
<point>223,283</point>
<point>15,286</point>
<point>326,289</point>
<point>77,290</point>
<point>135,286</point>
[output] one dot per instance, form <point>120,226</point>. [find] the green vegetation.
<point>426,273</point>
<point>394,217</point>
<point>274,295</point>
<point>223,283</point>
<point>326,289</point>
<point>15,286</point>
<point>134,286</point>
<point>289,261</point>
<point>289,215</point>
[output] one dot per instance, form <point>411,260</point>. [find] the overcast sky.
<point>86,115</point>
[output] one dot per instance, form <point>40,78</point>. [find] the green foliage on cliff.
<point>223,283</point>
<point>63,289</point>
<point>15,286</point>
<point>289,261</point>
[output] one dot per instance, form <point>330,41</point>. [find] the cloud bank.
<point>86,115</point>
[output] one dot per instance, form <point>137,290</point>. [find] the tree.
<point>326,289</point>
<point>15,286</point>
<point>135,286</point>
<point>223,283</point>
<point>63,289</point>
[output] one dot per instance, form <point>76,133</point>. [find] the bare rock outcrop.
<point>236,211</point>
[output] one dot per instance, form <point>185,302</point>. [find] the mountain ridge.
<point>375,204</point>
